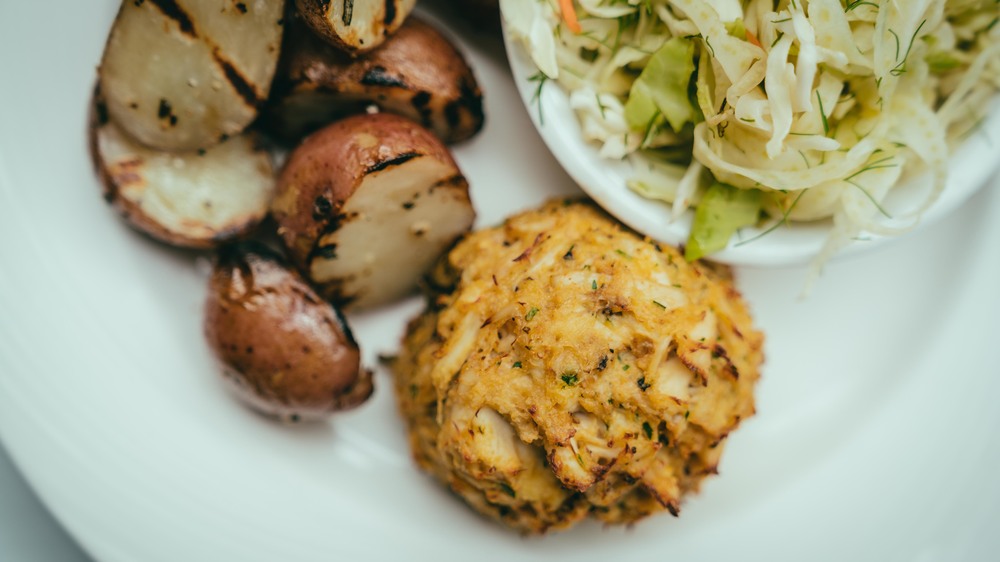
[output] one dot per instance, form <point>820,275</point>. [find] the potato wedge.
<point>417,73</point>
<point>355,26</point>
<point>186,74</point>
<point>285,351</point>
<point>367,204</point>
<point>191,199</point>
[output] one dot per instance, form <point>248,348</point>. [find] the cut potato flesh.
<point>356,25</point>
<point>398,221</point>
<point>186,74</point>
<point>193,199</point>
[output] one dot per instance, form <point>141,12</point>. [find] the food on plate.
<point>355,25</point>
<point>819,106</point>
<point>195,199</point>
<point>566,367</point>
<point>285,351</point>
<point>184,75</point>
<point>367,204</point>
<point>417,73</point>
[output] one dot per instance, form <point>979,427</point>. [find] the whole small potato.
<point>285,351</point>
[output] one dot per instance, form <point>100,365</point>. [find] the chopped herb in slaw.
<point>814,107</point>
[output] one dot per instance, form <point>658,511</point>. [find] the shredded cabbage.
<point>819,106</point>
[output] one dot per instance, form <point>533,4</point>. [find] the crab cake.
<point>567,367</point>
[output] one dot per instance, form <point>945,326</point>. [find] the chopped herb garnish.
<point>593,284</point>
<point>531,314</point>
<point>643,385</point>
<point>773,227</point>
<point>659,304</point>
<point>901,67</point>
<point>647,429</point>
<point>517,364</point>
<point>569,378</point>
<point>856,3</point>
<point>541,79</point>
<point>778,37</point>
<point>822,114</point>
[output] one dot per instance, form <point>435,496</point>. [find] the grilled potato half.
<point>355,26</point>
<point>418,73</point>
<point>285,352</point>
<point>186,74</point>
<point>367,204</point>
<point>194,199</point>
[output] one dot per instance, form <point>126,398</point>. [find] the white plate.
<point>604,180</point>
<point>876,438</point>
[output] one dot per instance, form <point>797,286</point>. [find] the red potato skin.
<point>325,170</point>
<point>285,351</point>
<point>417,73</point>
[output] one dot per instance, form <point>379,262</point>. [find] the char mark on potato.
<point>378,76</point>
<point>390,13</point>
<point>172,10</point>
<point>321,208</point>
<point>165,111</point>
<point>420,102</point>
<point>472,97</point>
<point>328,251</point>
<point>457,180</point>
<point>348,11</point>
<point>395,161</point>
<point>240,83</point>
<point>101,112</point>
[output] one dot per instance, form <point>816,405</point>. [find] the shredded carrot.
<point>753,39</point>
<point>569,15</point>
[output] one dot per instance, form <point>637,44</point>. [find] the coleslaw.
<point>759,112</point>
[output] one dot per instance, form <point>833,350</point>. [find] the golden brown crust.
<point>326,169</point>
<point>286,352</point>
<point>566,366</point>
<point>418,73</point>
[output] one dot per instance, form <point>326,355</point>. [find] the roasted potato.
<point>355,26</point>
<point>417,73</point>
<point>192,199</point>
<point>186,74</point>
<point>285,351</point>
<point>367,204</point>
